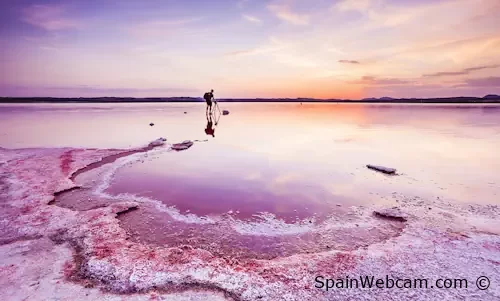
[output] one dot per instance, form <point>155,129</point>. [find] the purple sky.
<point>250,48</point>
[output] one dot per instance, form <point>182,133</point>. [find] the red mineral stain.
<point>151,255</point>
<point>26,209</point>
<point>103,252</point>
<point>68,269</point>
<point>154,297</point>
<point>337,265</point>
<point>492,246</point>
<point>66,159</point>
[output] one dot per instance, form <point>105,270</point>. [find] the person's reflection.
<point>210,130</point>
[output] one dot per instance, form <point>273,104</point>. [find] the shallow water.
<point>288,159</point>
<point>274,173</point>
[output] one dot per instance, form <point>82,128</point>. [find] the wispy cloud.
<point>384,13</point>
<point>492,81</point>
<point>284,12</point>
<point>372,80</point>
<point>349,62</point>
<point>462,72</point>
<point>48,17</point>
<point>90,91</point>
<point>252,19</point>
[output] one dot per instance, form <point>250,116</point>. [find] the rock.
<point>158,142</point>
<point>151,124</point>
<point>183,145</point>
<point>225,112</point>
<point>393,213</point>
<point>185,112</point>
<point>386,170</point>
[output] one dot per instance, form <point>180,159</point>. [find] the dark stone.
<point>392,214</point>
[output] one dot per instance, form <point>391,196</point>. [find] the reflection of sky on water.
<point>312,154</point>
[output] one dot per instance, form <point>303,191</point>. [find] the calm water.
<point>290,160</point>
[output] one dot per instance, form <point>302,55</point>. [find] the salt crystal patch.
<point>269,225</point>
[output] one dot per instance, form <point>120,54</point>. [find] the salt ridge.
<point>434,244</point>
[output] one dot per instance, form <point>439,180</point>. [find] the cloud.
<point>379,13</point>
<point>413,91</point>
<point>463,72</point>
<point>348,62</point>
<point>89,91</point>
<point>284,13</point>
<point>48,17</point>
<point>385,13</point>
<point>492,81</point>
<point>372,80</point>
<point>252,19</point>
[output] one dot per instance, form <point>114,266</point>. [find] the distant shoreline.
<point>450,100</point>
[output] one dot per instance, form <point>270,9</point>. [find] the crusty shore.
<point>48,252</point>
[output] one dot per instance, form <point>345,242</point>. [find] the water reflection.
<point>450,151</point>
<point>210,130</point>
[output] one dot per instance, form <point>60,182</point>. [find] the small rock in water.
<point>386,170</point>
<point>393,213</point>
<point>225,112</point>
<point>185,112</point>
<point>157,142</point>
<point>182,146</point>
<point>151,124</point>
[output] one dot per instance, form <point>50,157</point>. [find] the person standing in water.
<point>208,98</point>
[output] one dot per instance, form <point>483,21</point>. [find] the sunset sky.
<point>250,48</point>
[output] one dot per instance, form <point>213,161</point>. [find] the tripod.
<point>213,111</point>
<point>216,105</point>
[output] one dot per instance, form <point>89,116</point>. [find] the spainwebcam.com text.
<point>388,282</point>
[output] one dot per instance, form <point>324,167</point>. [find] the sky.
<point>347,49</point>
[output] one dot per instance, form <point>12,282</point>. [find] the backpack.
<point>207,96</point>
